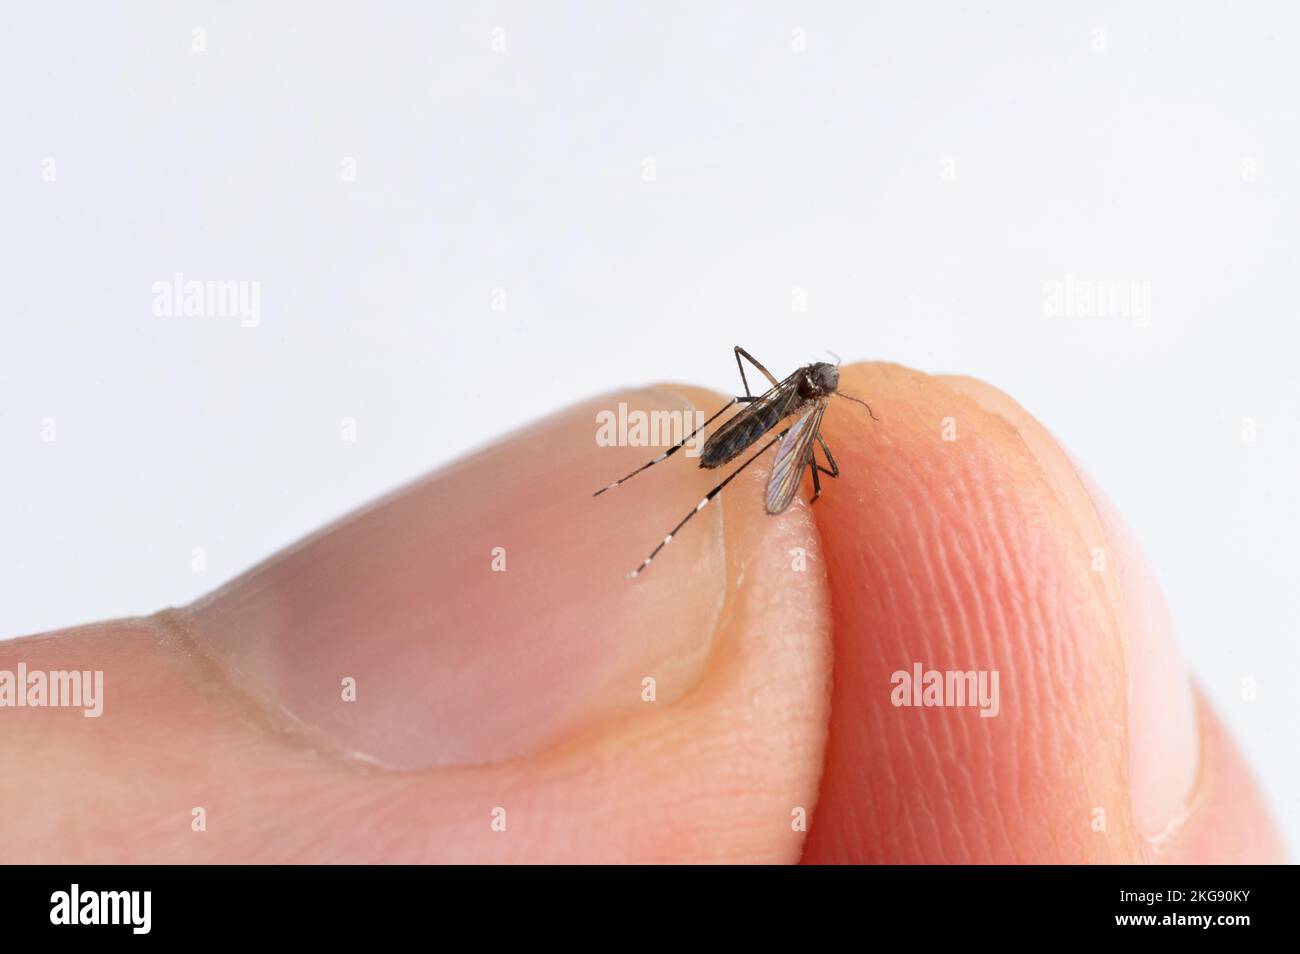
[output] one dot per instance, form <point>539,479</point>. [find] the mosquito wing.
<point>792,456</point>
<point>743,429</point>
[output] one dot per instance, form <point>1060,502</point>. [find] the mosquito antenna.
<point>835,356</point>
<point>850,397</point>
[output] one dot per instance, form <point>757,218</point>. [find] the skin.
<point>523,690</point>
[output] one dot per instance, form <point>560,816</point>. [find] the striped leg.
<point>676,447</point>
<point>701,505</point>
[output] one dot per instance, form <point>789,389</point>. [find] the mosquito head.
<point>819,380</point>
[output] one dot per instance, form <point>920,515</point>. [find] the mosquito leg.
<point>741,352</point>
<point>676,447</point>
<point>830,458</point>
<point>742,371</point>
<point>813,468</point>
<point>817,469</point>
<point>701,505</point>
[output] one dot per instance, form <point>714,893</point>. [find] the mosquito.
<point>802,396</point>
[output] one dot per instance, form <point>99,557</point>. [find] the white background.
<point>920,171</point>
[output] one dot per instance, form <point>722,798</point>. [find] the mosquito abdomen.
<point>740,432</point>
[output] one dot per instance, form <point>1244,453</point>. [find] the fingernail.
<point>484,612</point>
<point>1164,742</point>
<point>1163,736</point>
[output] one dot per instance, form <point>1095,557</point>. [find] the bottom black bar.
<point>238,903</point>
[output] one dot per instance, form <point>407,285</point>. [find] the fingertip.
<point>950,552</point>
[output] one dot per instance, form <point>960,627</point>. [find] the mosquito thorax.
<point>819,380</point>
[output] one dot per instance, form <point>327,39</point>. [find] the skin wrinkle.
<point>982,614</point>
<point>1106,601</point>
<point>1047,746</point>
<point>945,543</point>
<point>943,812</point>
<point>949,640</point>
<point>913,766</point>
<point>974,654</point>
<point>949,637</point>
<point>1044,746</point>
<point>886,599</point>
<point>1025,618</point>
<point>1066,746</point>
